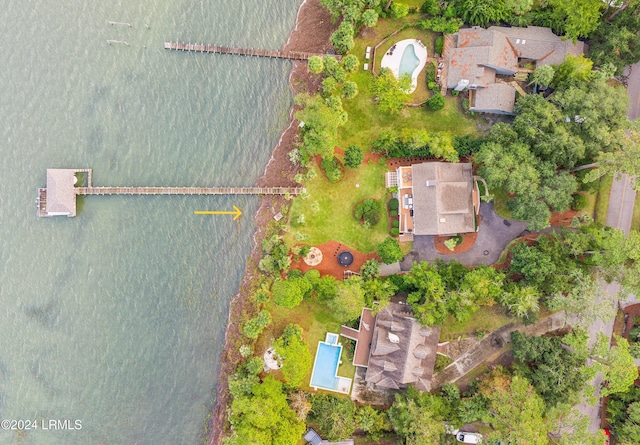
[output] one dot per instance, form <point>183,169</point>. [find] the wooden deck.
<point>214,49</point>
<point>188,190</point>
<point>59,197</point>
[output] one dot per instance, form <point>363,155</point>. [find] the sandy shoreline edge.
<point>311,33</point>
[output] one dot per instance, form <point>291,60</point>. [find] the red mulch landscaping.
<point>563,218</point>
<point>368,157</point>
<point>330,265</point>
<point>394,163</point>
<point>631,312</point>
<point>468,240</point>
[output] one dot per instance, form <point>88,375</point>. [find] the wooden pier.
<point>187,190</point>
<point>59,197</point>
<point>214,49</point>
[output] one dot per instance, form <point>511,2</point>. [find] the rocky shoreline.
<point>311,33</point>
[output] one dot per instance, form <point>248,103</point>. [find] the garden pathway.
<point>494,234</point>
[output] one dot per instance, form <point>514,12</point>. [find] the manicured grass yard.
<point>328,210</point>
<point>591,203</point>
<point>366,122</point>
<point>316,320</point>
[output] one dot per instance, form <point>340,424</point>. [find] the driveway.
<point>494,234</point>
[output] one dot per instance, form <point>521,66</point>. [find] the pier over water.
<point>215,49</point>
<point>58,198</point>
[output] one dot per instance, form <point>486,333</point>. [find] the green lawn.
<point>591,203</point>
<point>635,221</point>
<point>366,122</point>
<point>316,320</point>
<point>500,203</point>
<point>327,210</point>
<point>487,319</point>
<point>602,200</point>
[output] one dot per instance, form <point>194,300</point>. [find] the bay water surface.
<point>116,317</point>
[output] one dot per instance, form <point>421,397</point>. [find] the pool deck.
<point>392,59</point>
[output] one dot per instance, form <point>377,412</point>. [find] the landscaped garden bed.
<point>367,212</point>
<point>332,169</point>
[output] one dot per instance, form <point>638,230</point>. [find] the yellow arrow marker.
<point>236,211</point>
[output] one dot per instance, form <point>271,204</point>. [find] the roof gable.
<point>442,198</point>
<point>411,360</point>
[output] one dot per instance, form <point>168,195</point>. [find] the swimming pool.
<point>407,56</point>
<point>409,61</point>
<point>331,338</point>
<point>325,367</point>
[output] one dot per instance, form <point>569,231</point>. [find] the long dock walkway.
<point>187,190</point>
<point>203,48</point>
<point>59,196</point>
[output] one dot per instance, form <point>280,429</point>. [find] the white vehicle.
<point>463,437</point>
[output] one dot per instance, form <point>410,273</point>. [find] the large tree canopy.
<point>556,373</point>
<point>517,410</point>
<point>617,41</point>
<point>264,416</point>
<point>322,118</point>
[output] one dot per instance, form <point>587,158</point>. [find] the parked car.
<point>465,437</point>
<point>607,437</point>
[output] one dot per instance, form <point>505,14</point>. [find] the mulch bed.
<point>563,219</point>
<point>330,265</point>
<point>468,240</point>
<point>394,163</point>
<point>631,312</point>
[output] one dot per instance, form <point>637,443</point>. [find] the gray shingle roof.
<point>478,54</point>
<point>411,360</point>
<point>540,44</point>
<point>446,207</point>
<point>496,98</point>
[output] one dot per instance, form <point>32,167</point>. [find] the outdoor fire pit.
<point>345,258</point>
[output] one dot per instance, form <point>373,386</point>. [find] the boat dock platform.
<point>214,49</point>
<point>58,198</point>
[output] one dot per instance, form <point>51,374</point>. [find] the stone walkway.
<point>494,234</point>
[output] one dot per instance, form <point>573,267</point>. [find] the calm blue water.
<point>117,317</point>
<point>409,61</point>
<point>326,366</point>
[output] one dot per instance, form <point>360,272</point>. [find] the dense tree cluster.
<point>322,118</point>
<point>530,159</point>
<point>410,142</point>
<point>354,14</point>
<point>616,40</point>
<point>293,355</point>
<point>390,92</point>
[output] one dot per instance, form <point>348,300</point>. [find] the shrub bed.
<point>367,212</point>
<point>439,45</point>
<point>579,202</point>
<point>332,168</point>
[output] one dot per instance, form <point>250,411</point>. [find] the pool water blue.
<point>325,366</point>
<point>409,61</point>
<point>332,339</point>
